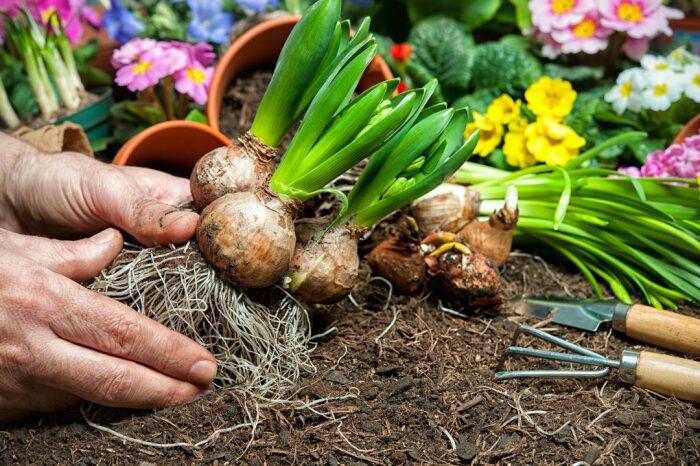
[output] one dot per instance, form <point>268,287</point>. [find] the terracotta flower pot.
<point>172,146</point>
<point>259,48</point>
<point>691,129</point>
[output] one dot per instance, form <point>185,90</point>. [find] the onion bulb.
<point>248,237</point>
<point>494,238</point>
<point>447,208</point>
<point>401,262</point>
<point>244,166</point>
<point>324,267</point>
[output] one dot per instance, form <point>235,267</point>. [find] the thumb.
<point>78,260</point>
<point>153,222</point>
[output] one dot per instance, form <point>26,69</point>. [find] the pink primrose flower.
<point>638,18</point>
<point>559,14</point>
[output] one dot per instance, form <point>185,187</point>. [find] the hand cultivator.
<point>663,374</point>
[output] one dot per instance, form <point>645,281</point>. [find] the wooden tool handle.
<point>664,329</point>
<point>669,375</point>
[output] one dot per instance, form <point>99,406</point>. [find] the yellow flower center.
<point>562,6</point>
<point>696,79</point>
<point>660,89</point>
<point>630,12</point>
<point>143,67</point>
<point>662,66</point>
<point>196,75</point>
<point>626,89</point>
<point>585,28</point>
<point>46,15</point>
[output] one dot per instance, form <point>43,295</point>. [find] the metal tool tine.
<point>549,374</point>
<point>560,342</point>
<point>573,358</point>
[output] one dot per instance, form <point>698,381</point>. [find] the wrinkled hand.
<point>60,342</point>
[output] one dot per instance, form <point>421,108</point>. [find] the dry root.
<point>259,350</point>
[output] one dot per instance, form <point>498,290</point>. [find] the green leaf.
<point>504,66</point>
<point>23,101</point>
<point>441,45</point>
<point>421,76</point>
<point>473,13</point>
<point>573,73</point>
<point>523,17</point>
<point>479,101</point>
<point>94,76</point>
<point>642,149</point>
<point>197,116</point>
<point>86,52</point>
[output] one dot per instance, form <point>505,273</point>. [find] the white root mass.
<point>260,350</point>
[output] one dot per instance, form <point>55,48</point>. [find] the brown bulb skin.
<point>325,271</point>
<point>447,208</point>
<point>492,238</point>
<point>465,277</point>
<point>248,238</point>
<point>245,166</point>
<point>401,262</point>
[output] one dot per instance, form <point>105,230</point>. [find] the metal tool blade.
<point>586,315</point>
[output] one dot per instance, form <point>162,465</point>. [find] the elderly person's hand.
<point>60,342</point>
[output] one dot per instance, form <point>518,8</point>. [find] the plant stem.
<point>7,113</point>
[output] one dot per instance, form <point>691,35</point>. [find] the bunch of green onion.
<point>48,61</point>
<point>638,234</point>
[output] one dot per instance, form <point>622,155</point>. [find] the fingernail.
<point>105,236</point>
<point>202,372</point>
<point>172,217</point>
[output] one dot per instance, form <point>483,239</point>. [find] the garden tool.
<point>664,329</point>
<point>663,374</point>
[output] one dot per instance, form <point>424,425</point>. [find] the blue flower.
<point>121,24</point>
<point>210,23</point>
<point>258,6</point>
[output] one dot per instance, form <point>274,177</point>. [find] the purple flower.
<point>202,53</point>
<point>258,6</point>
<point>121,24</point>
<point>131,52</point>
<point>678,161</point>
<point>210,23</point>
<point>194,80</point>
<point>150,67</point>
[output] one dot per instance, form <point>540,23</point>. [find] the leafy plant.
<point>504,66</point>
<point>443,47</point>
<point>472,13</point>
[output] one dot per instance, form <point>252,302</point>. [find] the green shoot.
<point>296,69</point>
<point>7,113</point>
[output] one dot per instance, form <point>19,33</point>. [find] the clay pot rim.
<point>124,154</point>
<point>692,128</point>
<point>214,105</point>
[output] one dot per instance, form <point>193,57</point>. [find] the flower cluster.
<point>678,161</point>
<point>144,63</point>
<point>573,26</point>
<point>547,139</point>
<point>657,84</point>
<point>70,12</point>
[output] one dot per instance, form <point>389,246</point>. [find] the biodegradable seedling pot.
<point>96,118</point>
<point>691,129</point>
<point>171,146</point>
<point>259,48</point>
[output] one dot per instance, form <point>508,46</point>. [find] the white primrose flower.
<point>691,84</point>
<point>681,57</point>
<point>663,89</point>
<point>627,93</point>
<point>654,64</point>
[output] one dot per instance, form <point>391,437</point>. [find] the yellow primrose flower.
<point>552,98</point>
<point>552,142</point>
<point>491,134</point>
<point>504,109</point>
<point>515,150</point>
<point>518,124</point>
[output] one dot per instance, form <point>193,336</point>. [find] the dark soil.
<point>406,382</point>
<point>429,375</point>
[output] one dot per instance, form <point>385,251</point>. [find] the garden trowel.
<point>664,329</point>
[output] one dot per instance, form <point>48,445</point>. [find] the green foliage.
<point>19,89</point>
<point>504,66</point>
<point>523,17</point>
<point>573,74</point>
<point>420,76</point>
<point>472,13</point>
<point>477,101</point>
<point>443,48</point>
